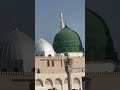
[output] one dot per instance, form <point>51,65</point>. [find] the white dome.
<point>18,51</point>
<point>44,48</point>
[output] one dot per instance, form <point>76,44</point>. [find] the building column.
<point>53,83</point>
<point>81,84</point>
<point>63,84</point>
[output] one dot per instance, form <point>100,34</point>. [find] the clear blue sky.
<point>47,18</point>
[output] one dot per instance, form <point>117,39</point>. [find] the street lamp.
<point>68,69</point>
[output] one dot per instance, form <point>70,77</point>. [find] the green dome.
<point>67,40</point>
<point>99,45</point>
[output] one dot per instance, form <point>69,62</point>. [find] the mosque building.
<point>50,73</point>
<point>93,69</point>
<point>98,66</point>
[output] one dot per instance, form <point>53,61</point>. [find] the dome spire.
<point>62,24</point>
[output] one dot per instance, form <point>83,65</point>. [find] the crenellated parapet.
<point>17,74</point>
<point>95,74</point>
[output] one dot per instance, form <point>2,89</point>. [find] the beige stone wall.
<point>104,81</point>
<point>41,63</point>
<point>15,81</point>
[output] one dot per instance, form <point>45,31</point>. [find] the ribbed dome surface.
<point>67,40</point>
<point>42,46</point>
<point>99,45</point>
<point>17,52</point>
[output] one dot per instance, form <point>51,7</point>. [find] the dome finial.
<point>62,24</point>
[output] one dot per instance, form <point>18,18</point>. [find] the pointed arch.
<point>39,82</point>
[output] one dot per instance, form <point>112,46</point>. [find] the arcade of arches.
<point>59,83</point>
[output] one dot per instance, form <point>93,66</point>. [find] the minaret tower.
<point>62,24</point>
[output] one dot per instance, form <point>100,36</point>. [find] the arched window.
<point>38,71</point>
<point>48,63</point>
<point>39,82</point>
<point>53,63</point>
<point>76,81</point>
<point>58,81</point>
<point>58,84</point>
<point>61,63</point>
<point>48,82</point>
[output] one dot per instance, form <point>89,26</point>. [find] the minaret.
<point>62,24</point>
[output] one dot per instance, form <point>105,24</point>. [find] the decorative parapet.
<point>99,74</point>
<point>44,57</point>
<point>17,74</point>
